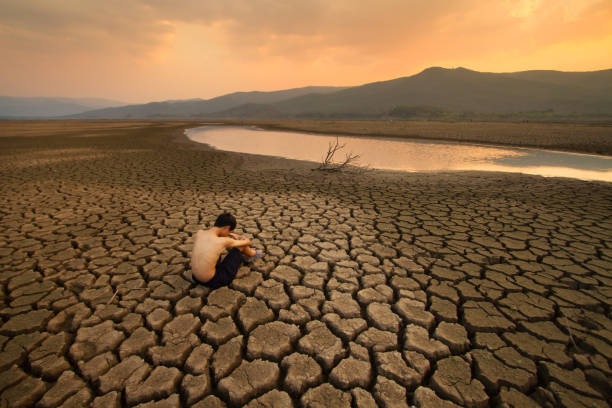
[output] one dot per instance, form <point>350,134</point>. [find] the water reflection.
<point>407,154</point>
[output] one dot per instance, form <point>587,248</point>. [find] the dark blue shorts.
<point>225,270</point>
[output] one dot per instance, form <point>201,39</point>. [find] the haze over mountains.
<point>15,107</point>
<point>205,108</point>
<point>435,93</point>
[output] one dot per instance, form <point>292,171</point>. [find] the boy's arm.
<point>231,243</point>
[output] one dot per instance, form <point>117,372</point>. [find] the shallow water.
<point>406,154</point>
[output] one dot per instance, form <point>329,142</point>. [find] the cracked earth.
<point>377,289</point>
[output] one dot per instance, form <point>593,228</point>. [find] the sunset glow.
<point>138,51</point>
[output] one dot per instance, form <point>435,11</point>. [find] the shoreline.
<point>415,139</point>
<point>314,164</point>
<point>601,145</point>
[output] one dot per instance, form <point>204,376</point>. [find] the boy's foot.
<point>258,254</point>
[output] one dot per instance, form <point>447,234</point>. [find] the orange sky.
<point>139,50</point>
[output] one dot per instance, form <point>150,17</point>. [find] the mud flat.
<point>391,289</point>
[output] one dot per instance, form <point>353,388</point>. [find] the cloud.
<point>81,26</point>
<point>161,48</point>
<point>279,27</point>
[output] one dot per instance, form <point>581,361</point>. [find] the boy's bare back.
<point>207,247</point>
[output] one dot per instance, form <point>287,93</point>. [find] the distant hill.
<point>466,91</point>
<point>201,107</point>
<point>435,93</point>
<point>16,107</point>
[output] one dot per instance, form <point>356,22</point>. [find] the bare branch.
<point>328,164</point>
<point>332,149</point>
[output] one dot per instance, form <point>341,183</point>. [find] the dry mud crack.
<point>426,290</point>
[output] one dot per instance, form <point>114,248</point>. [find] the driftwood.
<point>328,163</point>
<point>113,298</point>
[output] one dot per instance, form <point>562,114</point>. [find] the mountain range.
<point>205,107</point>
<point>434,93</point>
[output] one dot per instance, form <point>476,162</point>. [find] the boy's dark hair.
<point>226,219</point>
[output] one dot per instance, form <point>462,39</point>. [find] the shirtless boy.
<point>206,264</point>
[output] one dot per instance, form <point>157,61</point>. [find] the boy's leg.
<point>228,268</point>
<point>225,270</point>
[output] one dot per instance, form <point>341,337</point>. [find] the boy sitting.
<point>206,264</point>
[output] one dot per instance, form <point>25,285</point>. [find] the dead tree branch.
<point>328,163</point>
